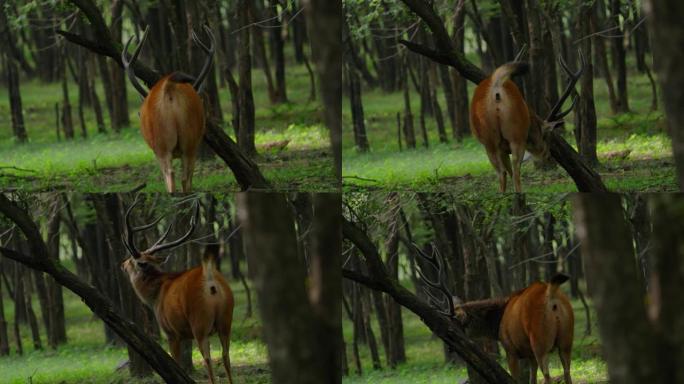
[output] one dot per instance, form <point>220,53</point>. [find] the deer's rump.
<point>191,298</point>
<point>537,318</point>
<point>172,118</point>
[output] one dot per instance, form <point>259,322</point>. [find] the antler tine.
<point>128,64</point>
<point>199,82</point>
<point>573,78</point>
<point>565,113</point>
<point>435,260</point>
<point>160,247</point>
<point>128,241</point>
<point>147,226</point>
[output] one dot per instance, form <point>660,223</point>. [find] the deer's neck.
<point>148,286</point>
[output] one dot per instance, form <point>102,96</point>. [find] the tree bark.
<point>587,110</point>
<point>302,329</point>
<point>246,99</point>
<point>619,57</point>
<point>325,31</point>
<point>668,38</point>
<point>629,343</point>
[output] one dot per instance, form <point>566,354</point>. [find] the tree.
<point>12,72</point>
<point>324,19</point>
<point>665,18</point>
<point>296,318</point>
<point>245,98</point>
<point>641,343</point>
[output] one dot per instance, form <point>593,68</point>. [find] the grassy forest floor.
<point>425,356</point>
<point>120,161</point>
<point>464,168</point>
<point>86,358</point>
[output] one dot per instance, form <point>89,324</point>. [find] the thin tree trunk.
<point>246,99</point>
<point>587,128</point>
<point>619,57</point>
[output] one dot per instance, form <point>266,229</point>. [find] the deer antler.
<point>158,246</point>
<point>128,64</point>
<point>199,82</point>
<point>573,77</point>
<point>435,260</point>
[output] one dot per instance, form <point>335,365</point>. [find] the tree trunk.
<point>57,331</point>
<point>278,49</point>
<point>629,343</point>
<point>119,115</point>
<point>67,120</point>
<point>587,126</point>
<point>409,132</point>
<point>300,328</point>
<point>619,57</point>
<point>325,23</point>
<point>246,99</point>
<point>7,42</point>
<point>668,38</point>
<point>600,53</point>
<point>356,105</point>
<point>4,337</point>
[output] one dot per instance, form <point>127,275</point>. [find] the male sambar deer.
<point>505,125</point>
<point>172,114</point>
<point>530,324</point>
<point>189,304</point>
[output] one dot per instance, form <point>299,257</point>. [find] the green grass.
<point>425,356</point>
<point>464,167</point>
<point>121,161</point>
<point>86,358</point>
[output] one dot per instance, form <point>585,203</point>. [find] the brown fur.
<point>529,324</point>
<point>172,124</point>
<point>501,121</point>
<point>188,305</point>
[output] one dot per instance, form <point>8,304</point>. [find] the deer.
<point>507,127</point>
<point>191,304</point>
<point>529,324</point>
<point>172,119</point>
